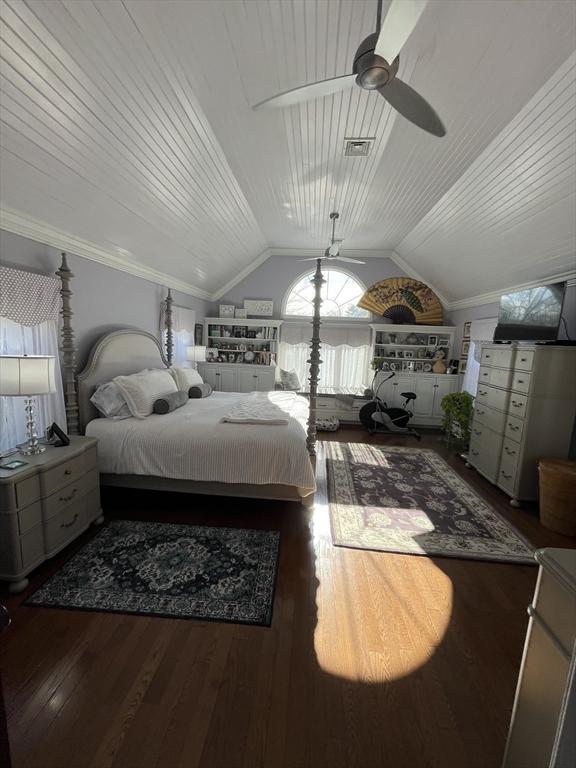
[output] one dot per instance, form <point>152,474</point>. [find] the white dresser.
<point>542,730</point>
<point>524,411</point>
<point>237,377</point>
<point>45,505</point>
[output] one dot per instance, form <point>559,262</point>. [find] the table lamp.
<point>25,376</point>
<point>196,354</point>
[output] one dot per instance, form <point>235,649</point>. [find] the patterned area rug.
<point>178,571</point>
<point>408,500</point>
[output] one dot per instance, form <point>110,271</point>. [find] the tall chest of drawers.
<point>524,410</point>
<point>45,505</point>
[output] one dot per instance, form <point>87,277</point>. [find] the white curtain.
<point>183,322</point>
<point>345,353</point>
<point>481,332</point>
<point>16,339</point>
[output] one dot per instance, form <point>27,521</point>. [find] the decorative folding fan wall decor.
<point>403,300</point>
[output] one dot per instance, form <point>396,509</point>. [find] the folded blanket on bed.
<point>262,408</point>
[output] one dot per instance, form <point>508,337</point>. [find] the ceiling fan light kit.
<point>373,71</point>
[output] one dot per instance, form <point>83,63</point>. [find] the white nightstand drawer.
<point>27,491</point>
<point>521,382</point>
<point>70,493</point>
<point>29,517</point>
<point>518,405</point>
<point>524,360</point>
<point>62,474</point>
<point>64,526</point>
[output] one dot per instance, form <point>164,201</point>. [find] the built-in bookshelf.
<point>241,341</point>
<point>411,348</point>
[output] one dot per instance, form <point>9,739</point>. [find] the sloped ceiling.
<point>127,130</point>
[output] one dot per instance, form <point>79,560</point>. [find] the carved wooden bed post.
<point>68,349</point>
<point>315,361</point>
<point>169,332</point>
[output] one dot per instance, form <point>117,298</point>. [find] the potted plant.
<point>457,407</point>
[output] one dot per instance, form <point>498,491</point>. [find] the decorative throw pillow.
<point>327,424</point>
<point>140,390</point>
<point>170,402</point>
<point>110,402</point>
<point>290,380</point>
<point>186,378</point>
<point>201,390</point>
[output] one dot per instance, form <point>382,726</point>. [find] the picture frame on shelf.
<point>391,353</point>
<point>466,330</point>
<point>465,349</point>
<point>408,353</point>
<point>212,354</point>
<point>226,310</point>
<point>419,367</point>
<point>400,353</point>
<point>462,368</point>
<point>408,365</point>
<point>198,335</point>
<point>259,307</point>
<point>432,341</point>
<point>240,312</point>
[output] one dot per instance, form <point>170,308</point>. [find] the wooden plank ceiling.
<point>129,125</point>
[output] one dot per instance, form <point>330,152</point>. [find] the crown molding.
<point>41,232</point>
<point>264,256</point>
<point>494,296</point>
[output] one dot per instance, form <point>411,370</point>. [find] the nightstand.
<point>46,505</point>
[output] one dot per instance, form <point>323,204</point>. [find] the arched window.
<point>340,294</point>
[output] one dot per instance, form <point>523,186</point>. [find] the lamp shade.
<point>196,354</point>
<point>25,375</point>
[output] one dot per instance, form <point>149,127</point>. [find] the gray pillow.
<point>200,390</point>
<point>170,402</point>
<point>290,380</point>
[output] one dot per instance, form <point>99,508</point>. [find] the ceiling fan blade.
<point>349,260</point>
<point>306,92</point>
<point>400,20</point>
<point>313,258</point>
<point>412,106</point>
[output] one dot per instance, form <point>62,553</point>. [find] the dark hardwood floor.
<point>372,660</point>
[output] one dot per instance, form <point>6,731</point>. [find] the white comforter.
<point>192,444</point>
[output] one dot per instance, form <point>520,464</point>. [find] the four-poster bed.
<point>282,451</point>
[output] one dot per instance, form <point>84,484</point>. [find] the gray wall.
<point>104,298</point>
<point>272,279</point>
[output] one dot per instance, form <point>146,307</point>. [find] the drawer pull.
<point>477,432</point>
<point>508,477</point>
<point>480,412</point>
<point>523,359</point>
<point>516,405</point>
<point>67,471</point>
<point>71,496</point>
<point>520,381</point>
<point>483,392</point>
<point>535,616</point>
<point>487,357</point>
<point>509,452</point>
<point>71,522</point>
<point>513,427</point>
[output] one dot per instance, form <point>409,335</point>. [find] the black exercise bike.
<point>376,416</point>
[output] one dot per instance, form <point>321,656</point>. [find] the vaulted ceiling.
<point>127,132</point>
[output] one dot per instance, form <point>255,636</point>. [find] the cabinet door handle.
<point>67,471</point>
<point>217,374</point>
<point>508,477</point>
<point>71,496</point>
<point>70,523</point>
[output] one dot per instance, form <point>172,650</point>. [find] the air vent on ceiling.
<point>357,147</point>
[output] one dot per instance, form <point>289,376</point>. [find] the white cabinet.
<point>238,378</point>
<point>429,390</point>
<point>524,411</point>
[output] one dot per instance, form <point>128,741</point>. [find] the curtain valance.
<point>27,298</point>
<point>333,335</point>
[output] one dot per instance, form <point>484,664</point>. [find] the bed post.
<point>169,333</point>
<point>68,349</point>
<point>314,361</point>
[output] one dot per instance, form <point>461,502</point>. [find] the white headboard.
<point>116,354</point>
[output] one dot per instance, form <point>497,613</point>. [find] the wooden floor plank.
<point>372,659</point>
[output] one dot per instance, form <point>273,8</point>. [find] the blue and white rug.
<point>176,571</point>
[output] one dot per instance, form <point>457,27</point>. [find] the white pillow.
<point>110,402</point>
<point>186,378</point>
<point>140,390</point>
<point>290,380</point>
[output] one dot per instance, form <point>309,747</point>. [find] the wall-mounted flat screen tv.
<point>531,315</point>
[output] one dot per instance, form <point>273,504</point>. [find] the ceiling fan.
<point>372,70</point>
<point>332,253</point>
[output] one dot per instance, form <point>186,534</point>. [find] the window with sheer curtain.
<point>183,322</point>
<point>345,346</point>
<point>29,305</point>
